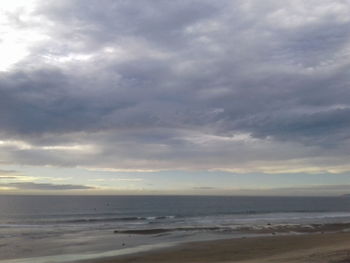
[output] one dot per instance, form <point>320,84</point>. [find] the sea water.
<point>67,228</point>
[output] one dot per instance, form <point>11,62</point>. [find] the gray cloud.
<point>43,186</point>
<point>163,77</point>
<point>204,188</point>
<point>8,172</point>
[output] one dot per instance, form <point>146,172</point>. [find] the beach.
<point>305,248</point>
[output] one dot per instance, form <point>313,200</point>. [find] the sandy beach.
<point>306,248</point>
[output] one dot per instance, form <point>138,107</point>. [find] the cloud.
<point>45,186</point>
<point>7,172</point>
<point>10,174</point>
<point>180,85</point>
<point>204,188</point>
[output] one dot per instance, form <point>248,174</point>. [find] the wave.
<point>116,219</point>
<point>247,216</point>
<point>89,220</point>
<point>253,229</point>
<point>152,231</point>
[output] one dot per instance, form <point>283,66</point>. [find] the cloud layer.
<point>234,85</point>
<point>42,186</point>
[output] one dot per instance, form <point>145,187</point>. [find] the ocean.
<point>43,229</point>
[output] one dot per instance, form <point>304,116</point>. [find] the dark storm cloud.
<point>41,186</point>
<point>327,128</point>
<point>107,21</point>
<point>178,70</point>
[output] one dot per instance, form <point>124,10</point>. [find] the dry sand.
<point>308,248</point>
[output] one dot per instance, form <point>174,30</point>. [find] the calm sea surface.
<point>64,228</point>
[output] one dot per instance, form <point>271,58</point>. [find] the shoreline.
<point>303,248</point>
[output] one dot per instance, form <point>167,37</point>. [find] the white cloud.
<point>19,31</point>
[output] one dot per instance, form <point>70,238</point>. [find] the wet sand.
<point>306,248</point>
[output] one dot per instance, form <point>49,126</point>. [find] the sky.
<point>175,97</point>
